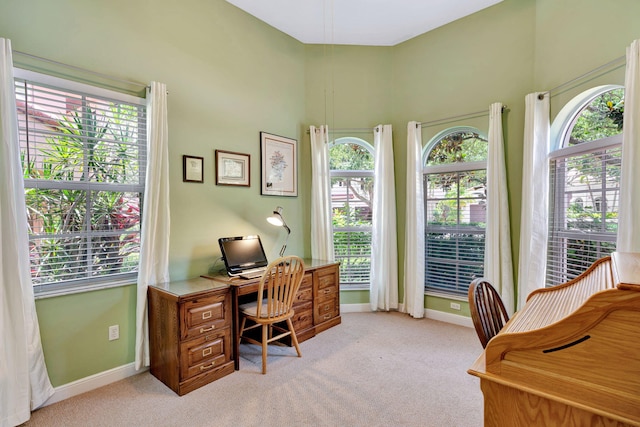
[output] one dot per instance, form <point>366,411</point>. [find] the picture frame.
<point>279,165</point>
<point>233,168</point>
<point>192,169</point>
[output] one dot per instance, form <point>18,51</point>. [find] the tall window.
<point>83,155</point>
<point>454,182</point>
<point>585,179</point>
<point>351,165</point>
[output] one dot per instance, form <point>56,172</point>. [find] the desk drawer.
<point>327,307</point>
<point>303,316</point>
<point>304,294</point>
<point>328,279</point>
<point>205,353</point>
<point>205,315</point>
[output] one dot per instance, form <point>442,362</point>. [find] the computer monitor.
<point>242,253</point>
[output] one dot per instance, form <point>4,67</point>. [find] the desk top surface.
<point>206,283</point>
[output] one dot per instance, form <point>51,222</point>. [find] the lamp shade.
<point>276,219</point>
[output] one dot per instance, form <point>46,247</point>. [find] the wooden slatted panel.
<point>550,305</point>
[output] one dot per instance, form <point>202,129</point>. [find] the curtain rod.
<point>469,115</point>
<point>73,67</point>
<point>622,59</point>
<point>350,130</point>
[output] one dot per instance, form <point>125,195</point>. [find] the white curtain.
<point>498,265</point>
<point>384,247</point>
<point>24,382</point>
<point>414,232</point>
<point>629,209</point>
<point>321,228</point>
<point>154,246</point>
<point>535,196</point>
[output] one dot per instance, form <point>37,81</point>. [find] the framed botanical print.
<point>279,165</point>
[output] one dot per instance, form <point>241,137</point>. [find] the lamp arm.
<point>284,247</point>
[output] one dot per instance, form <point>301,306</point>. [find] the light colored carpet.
<point>375,369</point>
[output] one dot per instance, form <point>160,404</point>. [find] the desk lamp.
<point>277,220</point>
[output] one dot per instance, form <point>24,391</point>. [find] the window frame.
<point>457,168</point>
<point>348,174</point>
<point>85,284</point>
<point>560,151</point>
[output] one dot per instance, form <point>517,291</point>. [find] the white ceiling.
<point>359,22</point>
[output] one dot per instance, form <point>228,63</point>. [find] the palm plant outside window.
<point>454,180</point>
<point>351,167</point>
<point>584,186</point>
<point>83,158</point>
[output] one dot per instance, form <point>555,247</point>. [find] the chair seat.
<point>251,309</point>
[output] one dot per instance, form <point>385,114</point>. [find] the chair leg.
<point>244,321</point>
<point>264,348</point>
<point>294,338</point>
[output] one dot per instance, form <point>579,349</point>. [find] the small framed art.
<point>233,168</point>
<point>279,164</point>
<point>192,169</point>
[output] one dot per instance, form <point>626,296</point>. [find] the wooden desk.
<point>194,324</point>
<point>570,356</point>
<point>317,305</point>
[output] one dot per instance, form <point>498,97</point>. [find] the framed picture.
<point>192,169</point>
<point>279,161</point>
<point>233,168</point>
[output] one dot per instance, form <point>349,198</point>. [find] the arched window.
<point>584,165</point>
<point>351,167</point>
<point>454,179</point>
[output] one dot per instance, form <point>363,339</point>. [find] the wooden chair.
<point>487,310</point>
<point>276,293</point>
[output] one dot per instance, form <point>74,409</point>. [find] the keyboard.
<point>252,274</point>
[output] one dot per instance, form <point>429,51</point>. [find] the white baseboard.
<point>456,319</point>
<point>355,308</point>
<point>93,382</point>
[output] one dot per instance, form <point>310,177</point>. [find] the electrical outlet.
<point>455,306</point>
<point>114,332</point>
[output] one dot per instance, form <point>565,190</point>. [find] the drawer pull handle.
<point>207,329</point>
<point>209,366</point>
<point>327,316</point>
<point>206,315</point>
<point>327,291</point>
<point>327,307</point>
<point>207,351</point>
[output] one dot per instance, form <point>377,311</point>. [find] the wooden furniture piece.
<point>276,292</point>
<point>316,306</point>
<point>190,333</point>
<point>487,310</point>
<point>570,356</point>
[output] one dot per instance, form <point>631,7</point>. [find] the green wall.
<point>231,76</point>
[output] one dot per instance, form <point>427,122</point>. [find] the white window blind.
<point>584,216</point>
<point>455,209</point>
<point>352,221</point>
<point>83,156</point>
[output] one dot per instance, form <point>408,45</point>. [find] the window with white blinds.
<point>83,153</point>
<point>455,210</point>
<point>351,164</point>
<point>584,189</point>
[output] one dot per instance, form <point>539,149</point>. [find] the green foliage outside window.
<point>84,233</point>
